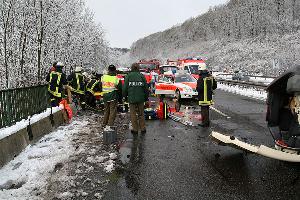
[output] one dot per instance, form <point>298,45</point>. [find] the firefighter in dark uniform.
<point>76,81</point>
<point>111,88</point>
<point>93,86</point>
<point>136,90</point>
<point>205,86</point>
<point>56,83</point>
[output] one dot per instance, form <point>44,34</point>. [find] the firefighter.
<point>56,83</point>
<point>111,88</point>
<point>136,91</point>
<point>93,85</point>
<point>205,86</point>
<point>76,81</point>
<point>53,67</point>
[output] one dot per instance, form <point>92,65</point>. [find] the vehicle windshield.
<point>184,78</point>
<point>166,79</point>
<point>150,66</point>
<point>194,69</point>
<point>169,68</point>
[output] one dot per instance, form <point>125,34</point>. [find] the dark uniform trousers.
<point>137,116</point>
<point>110,112</point>
<point>205,115</point>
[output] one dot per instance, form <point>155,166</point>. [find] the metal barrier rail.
<point>253,76</point>
<point>18,104</point>
<point>243,83</point>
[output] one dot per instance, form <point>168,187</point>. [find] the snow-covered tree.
<point>35,33</point>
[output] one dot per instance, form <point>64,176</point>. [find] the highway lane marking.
<point>220,112</point>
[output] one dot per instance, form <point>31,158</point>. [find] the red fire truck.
<point>192,65</point>
<point>152,65</point>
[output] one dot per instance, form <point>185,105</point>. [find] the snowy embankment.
<point>59,163</point>
<point>6,131</point>
<point>248,92</point>
<point>27,174</point>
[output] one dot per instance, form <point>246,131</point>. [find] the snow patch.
<point>112,156</point>
<point>109,166</point>
<point>36,164</point>
<point>248,92</point>
<point>7,131</point>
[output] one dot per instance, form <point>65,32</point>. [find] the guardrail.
<point>18,104</point>
<point>243,83</point>
<point>253,76</point>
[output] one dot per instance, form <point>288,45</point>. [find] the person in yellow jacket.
<point>112,89</point>
<point>205,86</point>
<point>57,81</point>
<point>76,81</point>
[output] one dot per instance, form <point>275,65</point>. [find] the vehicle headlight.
<point>187,90</point>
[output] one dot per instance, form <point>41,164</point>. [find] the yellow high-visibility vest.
<point>55,92</point>
<point>205,101</point>
<point>109,83</point>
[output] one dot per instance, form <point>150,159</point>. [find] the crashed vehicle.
<point>283,113</point>
<point>180,85</point>
<point>283,117</point>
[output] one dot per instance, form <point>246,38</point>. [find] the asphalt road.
<point>173,161</point>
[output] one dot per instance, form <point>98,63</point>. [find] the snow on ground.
<point>88,171</point>
<point>249,92</point>
<point>4,132</point>
<point>26,176</point>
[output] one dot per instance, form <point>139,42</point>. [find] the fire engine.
<point>152,65</point>
<point>191,65</point>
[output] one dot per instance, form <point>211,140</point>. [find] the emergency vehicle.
<point>167,68</point>
<point>191,65</point>
<point>121,73</point>
<point>180,85</point>
<point>152,65</point>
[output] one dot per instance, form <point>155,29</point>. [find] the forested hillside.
<point>35,33</point>
<point>244,34</point>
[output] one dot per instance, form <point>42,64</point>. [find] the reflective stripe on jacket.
<point>109,83</point>
<point>78,87</point>
<point>54,82</point>
<point>91,85</point>
<point>206,101</point>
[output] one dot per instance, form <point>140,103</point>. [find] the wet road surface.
<point>173,161</point>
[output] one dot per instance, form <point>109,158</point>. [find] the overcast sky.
<point>126,21</point>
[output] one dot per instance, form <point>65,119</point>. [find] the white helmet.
<point>202,66</point>
<point>78,69</point>
<point>59,64</point>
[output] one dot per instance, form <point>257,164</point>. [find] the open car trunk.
<point>282,116</point>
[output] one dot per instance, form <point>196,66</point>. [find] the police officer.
<point>136,89</point>
<point>111,88</point>
<point>56,83</point>
<point>76,81</point>
<point>205,86</point>
<point>93,86</point>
